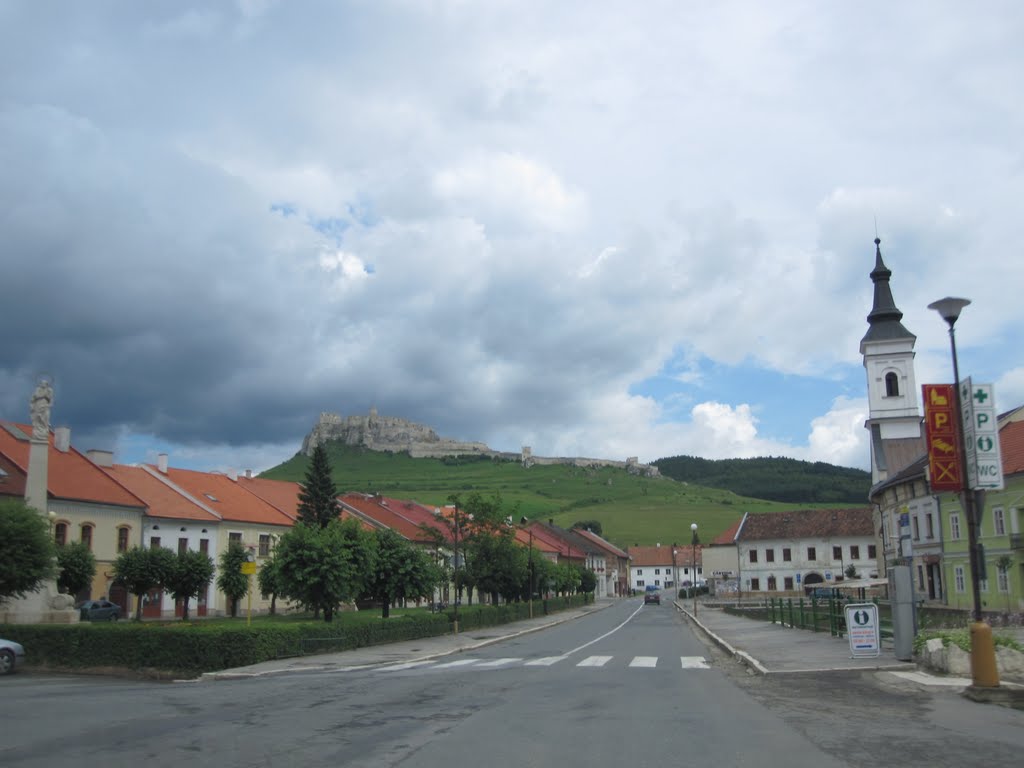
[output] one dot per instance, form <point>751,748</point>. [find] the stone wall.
<point>390,433</point>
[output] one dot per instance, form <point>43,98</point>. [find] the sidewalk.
<point>406,652</point>
<point>774,649</point>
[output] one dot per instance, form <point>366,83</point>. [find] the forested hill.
<point>775,479</point>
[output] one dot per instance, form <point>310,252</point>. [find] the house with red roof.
<point>999,532</point>
<point>721,561</point>
<point>613,573</point>
<point>83,502</point>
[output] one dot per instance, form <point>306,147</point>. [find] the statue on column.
<point>42,402</point>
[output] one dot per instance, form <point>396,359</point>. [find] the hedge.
<point>187,649</point>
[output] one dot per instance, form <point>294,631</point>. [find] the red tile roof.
<point>644,556</point>
<point>1011,446</point>
<point>808,523</point>
<point>728,536</point>
<point>226,497</point>
<point>607,546</point>
<point>390,513</point>
<point>162,499</point>
<point>283,494</point>
<point>70,474</point>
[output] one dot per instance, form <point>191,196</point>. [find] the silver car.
<point>11,654</point>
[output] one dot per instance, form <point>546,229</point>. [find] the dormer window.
<point>892,385</point>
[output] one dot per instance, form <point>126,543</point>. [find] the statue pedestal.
<point>45,606</point>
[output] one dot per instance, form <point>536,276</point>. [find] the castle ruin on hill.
<point>396,435</point>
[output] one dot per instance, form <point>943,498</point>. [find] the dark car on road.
<point>99,610</point>
<point>652,598</point>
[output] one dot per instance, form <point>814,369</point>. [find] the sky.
<point>596,228</point>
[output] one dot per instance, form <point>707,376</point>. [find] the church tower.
<point>894,420</point>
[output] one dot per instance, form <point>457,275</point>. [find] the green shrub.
<point>962,639</point>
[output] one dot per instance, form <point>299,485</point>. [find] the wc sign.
<point>981,436</point>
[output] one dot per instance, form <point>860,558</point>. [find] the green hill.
<point>776,479</point>
<point>631,509</point>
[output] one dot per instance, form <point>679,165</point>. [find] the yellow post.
<point>984,672</point>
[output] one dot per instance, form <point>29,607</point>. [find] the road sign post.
<point>862,629</point>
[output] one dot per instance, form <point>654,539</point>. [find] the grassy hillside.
<point>632,510</point>
<point>777,479</point>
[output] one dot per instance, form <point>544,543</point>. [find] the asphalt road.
<point>626,686</point>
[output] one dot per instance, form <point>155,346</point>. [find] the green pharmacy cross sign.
<point>981,436</point>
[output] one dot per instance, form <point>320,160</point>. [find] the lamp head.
<point>693,527</point>
<point>949,308</point>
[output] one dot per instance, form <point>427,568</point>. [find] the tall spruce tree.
<point>318,499</point>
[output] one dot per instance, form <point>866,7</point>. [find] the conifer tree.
<point>318,499</point>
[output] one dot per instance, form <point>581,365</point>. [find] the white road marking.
<point>644,661</point>
<point>547,661</point>
<point>694,662</point>
<point>406,665</point>
<point>594,661</point>
<point>459,663</point>
<point>497,662</point>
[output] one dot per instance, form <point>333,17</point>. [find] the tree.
<point>498,565</point>
<point>231,581</point>
<point>402,571</point>
<point>189,576</point>
<point>851,572</point>
<point>318,499</point>
<point>594,526</point>
<point>588,579</point>
<point>325,567</point>
<point>76,566</point>
<point>141,570</point>
<point>26,549</point>
<point>269,581</point>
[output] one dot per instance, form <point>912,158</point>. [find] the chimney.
<point>248,474</point>
<point>62,439</point>
<point>161,463</point>
<point>233,474</point>
<point>100,458</point>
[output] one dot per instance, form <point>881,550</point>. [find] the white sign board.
<point>863,630</point>
<point>981,436</point>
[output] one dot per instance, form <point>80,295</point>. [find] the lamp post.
<point>529,530</point>
<point>693,575</point>
<point>675,570</point>
<point>455,568</point>
<point>983,656</point>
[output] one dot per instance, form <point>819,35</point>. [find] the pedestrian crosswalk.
<point>635,662</point>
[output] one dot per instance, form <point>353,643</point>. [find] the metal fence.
<point>822,615</point>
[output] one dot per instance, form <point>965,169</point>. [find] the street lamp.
<point>983,654</point>
<point>529,530</point>
<point>693,574</point>
<point>675,570</point>
<point>455,567</point>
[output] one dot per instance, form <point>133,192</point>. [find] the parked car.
<point>652,597</point>
<point>11,654</point>
<point>99,610</point>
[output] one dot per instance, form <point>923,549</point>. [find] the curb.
<point>238,675</point>
<point>742,656</point>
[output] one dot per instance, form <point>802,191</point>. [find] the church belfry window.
<point>892,385</point>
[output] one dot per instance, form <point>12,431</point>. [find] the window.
<point>1003,580</point>
<point>182,546</point>
<point>657,582</point>
<point>854,552</point>
<point>154,542</point>
<point>204,546</point>
<point>837,553</point>
<point>812,553</point>
<point>958,578</point>
<point>60,534</point>
<point>928,526</point>
<point>787,583</point>
<point>235,536</point>
<point>772,584</point>
<point>769,555</point>
<point>999,521</point>
<point>753,555</point>
<point>892,385</point>
<point>954,526</point>
<point>657,571</point>
<point>920,578</point>
<point>872,552</point>
<point>264,544</point>
<point>639,571</point>
<point>787,555</point>
<point>122,539</point>
<point>917,530</point>
<point>640,582</point>
<point>755,585</point>
<point>87,536</point>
